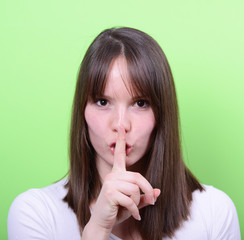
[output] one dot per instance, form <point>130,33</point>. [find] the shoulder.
<point>218,211</point>
<point>39,213</point>
<point>215,200</point>
<point>212,196</point>
<point>40,199</point>
<point>212,216</point>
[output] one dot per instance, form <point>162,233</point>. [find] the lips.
<point>112,147</point>
<point>128,148</point>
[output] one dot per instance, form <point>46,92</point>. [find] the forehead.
<point>118,67</point>
<point>103,74</point>
<point>118,78</point>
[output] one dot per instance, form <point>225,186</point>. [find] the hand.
<point>120,196</point>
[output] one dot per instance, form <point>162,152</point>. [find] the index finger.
<point>120,151</point>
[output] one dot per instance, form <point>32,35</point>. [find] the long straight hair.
<point>150,75</point>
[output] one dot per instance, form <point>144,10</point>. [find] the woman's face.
<point>118,107</point>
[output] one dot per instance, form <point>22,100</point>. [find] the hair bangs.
<point>98,68</point>
<point>142,78</point>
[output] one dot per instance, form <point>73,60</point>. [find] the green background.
<point>41,46</point>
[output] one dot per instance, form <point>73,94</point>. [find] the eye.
<point>141,103</point>
<point>102,102</point>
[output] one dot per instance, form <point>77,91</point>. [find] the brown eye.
<point>142,103</point>
<point>102,102</point>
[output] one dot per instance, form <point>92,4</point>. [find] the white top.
<point>41,214</point>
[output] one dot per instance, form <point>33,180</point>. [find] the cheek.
<point>95,122</point>
<point>93,130</point>
<point>90,118</point>
<point>145,125</point>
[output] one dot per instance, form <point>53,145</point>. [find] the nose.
<point>121,116</point>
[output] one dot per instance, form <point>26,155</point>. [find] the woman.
<point>127,179</point>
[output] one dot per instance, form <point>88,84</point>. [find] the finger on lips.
<point>120,151</point>
<point>130,197</point>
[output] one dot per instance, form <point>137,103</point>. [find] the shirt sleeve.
<point>28,218</point>
<point>225,225</point>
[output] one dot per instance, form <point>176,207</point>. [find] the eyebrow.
<point>140,97</point>
<point>133,98</point>
<point>102,96</point>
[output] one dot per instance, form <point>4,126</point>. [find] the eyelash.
<point>101,104</point>
<point>145,103</point>
<point>141,103</point>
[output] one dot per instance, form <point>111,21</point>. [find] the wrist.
<point>93,231</point>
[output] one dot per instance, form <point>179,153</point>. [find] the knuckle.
<point>130,203</point>
<point>134,189</point>
<point>136,176</point>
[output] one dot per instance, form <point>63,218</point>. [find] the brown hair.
<point>150,75</point>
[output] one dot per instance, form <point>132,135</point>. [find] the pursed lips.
<point>128,148</point>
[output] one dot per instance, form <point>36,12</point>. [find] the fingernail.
<point>152,201</point>
<point>157,195</point>
<point>138,217</point>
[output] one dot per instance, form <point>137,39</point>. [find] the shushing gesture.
<point>122,195</point>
